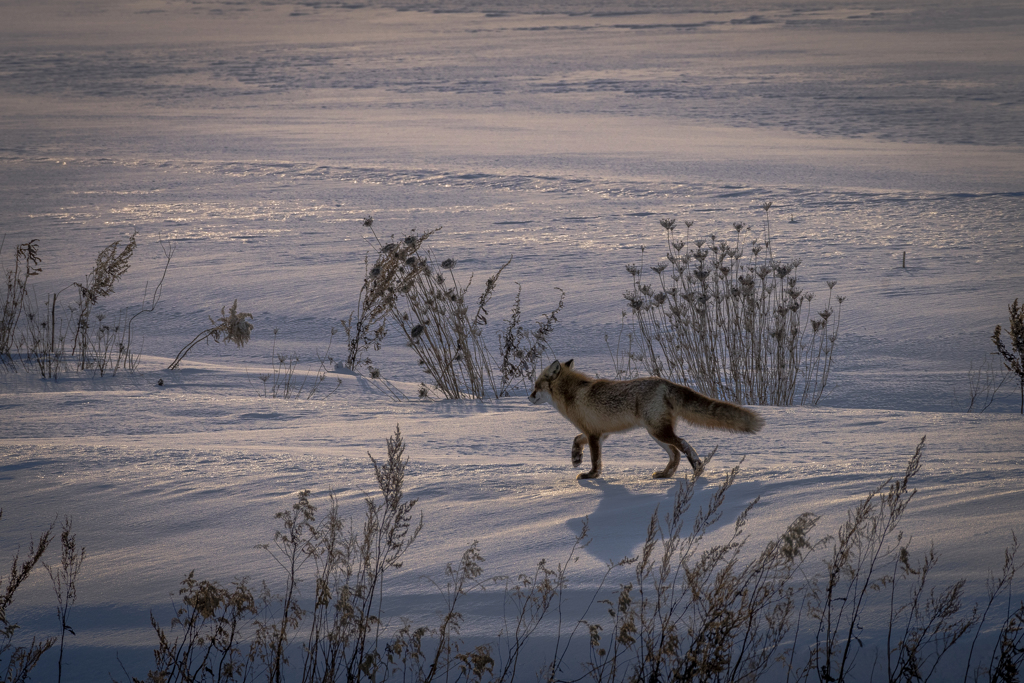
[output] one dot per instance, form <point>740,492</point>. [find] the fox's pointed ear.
<point>568,363</point>
<point>552,370</point>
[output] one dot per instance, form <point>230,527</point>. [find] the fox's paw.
<point>588,475</point>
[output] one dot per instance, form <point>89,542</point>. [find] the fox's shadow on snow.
<point>618,526</point>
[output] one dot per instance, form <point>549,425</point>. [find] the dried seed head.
<point>668,223</point>
<point>448,263</point>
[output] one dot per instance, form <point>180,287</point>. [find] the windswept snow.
<point>254,137</point>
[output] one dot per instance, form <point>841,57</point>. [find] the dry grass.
<point>693,609</point>
<point>56,337</point>
<point>1013,357</point>
<point>729,319</point>
<point>443,323</point>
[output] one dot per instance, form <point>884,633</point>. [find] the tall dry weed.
<point>728,318</point>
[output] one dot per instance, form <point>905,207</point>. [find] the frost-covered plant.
<point>227,634</point>
<point>1013,357</point>
<point>732,321</point>
<point>865,545</point>
<point>231,326</point>
<point>45,338</point>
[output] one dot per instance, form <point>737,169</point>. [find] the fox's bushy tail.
<point>698,409</point>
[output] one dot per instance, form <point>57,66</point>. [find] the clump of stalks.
<point>729,319</point>
<point>1013,357</point>
<point>327,623</point>
<point>19,659</point>
<point>281,381</point>
<point>366,327</point>
<point>443,323</point>
<point>983,384</point>
<point>64,577</point>
<point>231,326</point>
<point>446,331</point>
<point>697,611</point>
<point>698,604</point>
<point>110,266</point>
<point>26,264</point>
<point>98,342</point>
<point>713,611</point>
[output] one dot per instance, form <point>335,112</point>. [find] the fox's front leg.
<point>594,441</point>
<point>577,449</point>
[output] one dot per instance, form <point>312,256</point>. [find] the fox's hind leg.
<point>594,441</point>
<point>668,440</point>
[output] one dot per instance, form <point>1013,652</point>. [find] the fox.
<point>599,407</point>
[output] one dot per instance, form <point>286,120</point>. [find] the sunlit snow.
<point>254,137</point>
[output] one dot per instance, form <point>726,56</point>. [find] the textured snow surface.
<point>254,137</point>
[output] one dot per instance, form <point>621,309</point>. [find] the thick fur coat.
<point>598,407</point>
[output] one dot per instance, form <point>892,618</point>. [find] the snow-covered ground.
<point>254,137</point>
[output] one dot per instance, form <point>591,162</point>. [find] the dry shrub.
<point>731,320</point>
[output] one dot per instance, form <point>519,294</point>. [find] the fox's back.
<point>612,405</point>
